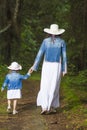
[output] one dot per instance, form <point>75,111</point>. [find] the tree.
<point>78,22</point>
<point>9,29</point>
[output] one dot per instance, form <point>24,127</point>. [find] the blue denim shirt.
<point>13,80</point>
<point>52,51</point>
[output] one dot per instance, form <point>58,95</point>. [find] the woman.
<point>53,49</point>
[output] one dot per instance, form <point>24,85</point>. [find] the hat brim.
<point>49,31</point>
<point>12,68</point>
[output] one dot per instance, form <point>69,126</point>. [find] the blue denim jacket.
<point>13,80</point>
<point>53,52</point>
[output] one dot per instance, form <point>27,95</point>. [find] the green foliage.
<point>79,80</point>
<point>35,76</point>
<point>82,78</point>
<point>70,97</point>
<point>32,18</point>
<point>3,108</point>
<point>75,100</point>
<point>72,70</point>
<point>28,46</point>
<point>63,13</point>
<point>3,72</point>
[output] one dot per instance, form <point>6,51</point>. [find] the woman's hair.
<point>53,36</point>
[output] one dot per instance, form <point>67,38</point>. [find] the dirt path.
<point>29,117</point>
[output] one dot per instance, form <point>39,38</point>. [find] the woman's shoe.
<point>43,112</point>
<point>53,110</point>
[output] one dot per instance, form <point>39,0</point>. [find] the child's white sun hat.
<point>15,66</point>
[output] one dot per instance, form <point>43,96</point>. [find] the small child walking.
<point>13,82</point>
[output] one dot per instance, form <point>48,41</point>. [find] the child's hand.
<point>2,89</point>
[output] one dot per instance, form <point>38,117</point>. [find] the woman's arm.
<point>64,58</point>
<point>38,57</point>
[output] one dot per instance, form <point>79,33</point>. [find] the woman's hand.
<point>64,73</point>
<point>30,70</point>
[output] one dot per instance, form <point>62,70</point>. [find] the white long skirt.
<point>48,95</point>
<point>14,94</point>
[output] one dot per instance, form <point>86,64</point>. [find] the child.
<point>13,81</point>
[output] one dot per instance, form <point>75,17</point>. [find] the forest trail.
<point>29,117</point>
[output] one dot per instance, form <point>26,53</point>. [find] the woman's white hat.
<point>14,66</point>
<point>54,30</point>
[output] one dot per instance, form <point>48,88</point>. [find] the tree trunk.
<point>9,29</point>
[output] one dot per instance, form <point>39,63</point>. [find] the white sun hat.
<point>54,30</point>
<point>15,66</point>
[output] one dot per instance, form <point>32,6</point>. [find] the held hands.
<point>30,70</point>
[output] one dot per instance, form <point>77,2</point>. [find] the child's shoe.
<point>8,109</point>
<point>15,112</point>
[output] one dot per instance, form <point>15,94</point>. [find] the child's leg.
<point>9,104</point>
<point>14,104</point>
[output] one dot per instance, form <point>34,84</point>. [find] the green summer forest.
<point>21,33</point>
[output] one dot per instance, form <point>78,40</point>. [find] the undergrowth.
<point>75,100</point>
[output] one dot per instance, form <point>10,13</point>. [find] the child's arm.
<point>23,77</point>
<point>4,84</point>
<point>27,75</point>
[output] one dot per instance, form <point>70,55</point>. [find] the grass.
<point>75,109</point>
<point>3,108</point>
<point>74,102</point>
<point>35,76</point>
